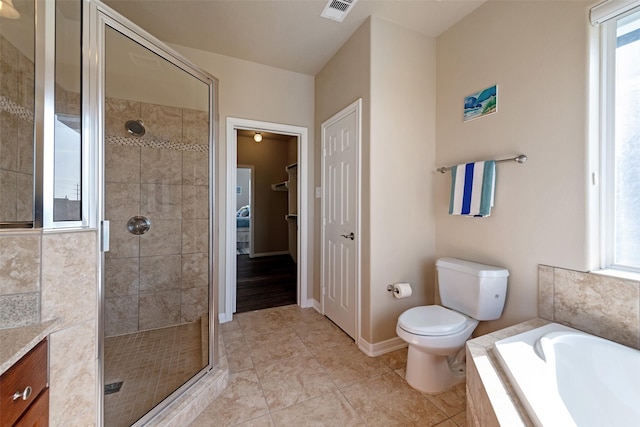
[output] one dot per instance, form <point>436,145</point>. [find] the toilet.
<point>470,293</point>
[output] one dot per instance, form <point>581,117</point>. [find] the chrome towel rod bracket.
<point>520,159</point>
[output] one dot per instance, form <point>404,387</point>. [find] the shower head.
<point>135,127</point>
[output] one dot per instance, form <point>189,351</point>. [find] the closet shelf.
<point>281,186</point>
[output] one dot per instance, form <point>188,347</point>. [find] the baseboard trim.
<point>261,254</point>
<point>223,318</point>
<point>381,347</point>
<point>316,305</point>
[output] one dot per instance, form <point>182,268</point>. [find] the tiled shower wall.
<point>602,305</point>
<point>160,278</point>
<point>16,134</point>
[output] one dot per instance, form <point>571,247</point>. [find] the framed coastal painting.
<point>481,103</point>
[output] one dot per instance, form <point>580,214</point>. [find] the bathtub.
<point>565,377</point>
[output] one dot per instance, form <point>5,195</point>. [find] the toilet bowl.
<point>470,292</point>
<point>431,345</point>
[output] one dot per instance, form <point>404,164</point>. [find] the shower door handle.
<point>105,236</point>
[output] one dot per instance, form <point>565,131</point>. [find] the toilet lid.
<point>431,320</point>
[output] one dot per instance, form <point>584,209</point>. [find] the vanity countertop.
<point>16,342</point>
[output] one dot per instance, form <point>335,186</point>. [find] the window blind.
<point>609,9</point>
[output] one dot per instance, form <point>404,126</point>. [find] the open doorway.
<point>296,243</point>
<point>266,220</point>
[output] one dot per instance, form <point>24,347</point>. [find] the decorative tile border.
<point>15,110</point>
<point>154,143</point>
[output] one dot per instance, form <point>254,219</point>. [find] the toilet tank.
<point>477,290</point>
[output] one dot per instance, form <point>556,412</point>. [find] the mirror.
<point>17,94</point>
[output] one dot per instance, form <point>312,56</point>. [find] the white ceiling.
<point>287,34</point>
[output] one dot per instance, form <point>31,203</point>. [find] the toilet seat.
<point>432,320</point>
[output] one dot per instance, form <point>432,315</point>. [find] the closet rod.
<point>520,159</point>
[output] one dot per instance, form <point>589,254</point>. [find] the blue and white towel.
<point>472,188</point>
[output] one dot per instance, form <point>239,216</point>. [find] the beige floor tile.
<point>263,421</point>
<point>293,380</point>
<point>452,401</point>
<point>295,315</point>
<point>396,359</point>
<point>241,401</point>
<point>460,419</point>
<point>230,326</point>
<point>237,351</point>
<point>447,423</point>
<point>328,410</point>
<point>389,401</point>
<point>266,348</point>
<point>305,371</point>
<point>347,364</point>
<point>262,321</point>
<point>321,335</point>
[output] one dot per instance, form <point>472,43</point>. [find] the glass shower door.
<point>156,199</point>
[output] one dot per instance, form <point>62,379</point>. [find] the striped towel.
<point>472,188</point>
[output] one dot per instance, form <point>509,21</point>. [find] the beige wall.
<point>401,176</point>
<point>342,81</point>
<point>257,92</point>
<point>398,140</point>
<point>270,157</point>
<point>537,54</point>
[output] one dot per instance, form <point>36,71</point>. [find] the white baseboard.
<point>316,305</point>
<point>382,347</point>
<point>223,318</point>
<point>261,254</point>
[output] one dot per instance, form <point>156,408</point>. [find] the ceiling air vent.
<point>337,9</point>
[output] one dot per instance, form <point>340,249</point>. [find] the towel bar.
<point>520,159</point>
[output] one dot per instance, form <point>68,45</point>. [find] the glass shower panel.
<point>156,197</point>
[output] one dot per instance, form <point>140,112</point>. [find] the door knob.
<point>349,236</point>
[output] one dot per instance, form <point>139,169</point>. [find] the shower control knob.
<point>138,225</point>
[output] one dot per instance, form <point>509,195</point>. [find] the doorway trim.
<point>229,226</point>
<point>252,191</point>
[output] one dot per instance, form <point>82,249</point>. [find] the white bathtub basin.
<point>565,377</point>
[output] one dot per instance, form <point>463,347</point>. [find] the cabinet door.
<point>30,372</point>
<point>38,413</point>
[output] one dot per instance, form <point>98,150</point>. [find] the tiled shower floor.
<point>151,365</point>
<point>292,367</point>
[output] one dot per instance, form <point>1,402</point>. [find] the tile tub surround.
<point>160,278</point>
<point>292,366</point>
<point>491,400</point>
<point>20,257</point>
<point>599,304</point>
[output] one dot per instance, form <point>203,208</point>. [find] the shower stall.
<point>156,129</point>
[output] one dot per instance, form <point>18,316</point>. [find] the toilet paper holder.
<point>400,290</point>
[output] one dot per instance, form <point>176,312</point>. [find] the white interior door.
<point>340,213</point>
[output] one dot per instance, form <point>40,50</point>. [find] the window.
<point>620,196</point>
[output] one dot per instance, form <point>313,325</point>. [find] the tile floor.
<point>151,364</point>
<point>292,367</point>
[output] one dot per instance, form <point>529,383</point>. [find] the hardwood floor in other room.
<point>265,282</point>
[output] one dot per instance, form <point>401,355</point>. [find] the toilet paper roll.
<point>402,290</point>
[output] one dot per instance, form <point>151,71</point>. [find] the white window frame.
<point>607,51</point>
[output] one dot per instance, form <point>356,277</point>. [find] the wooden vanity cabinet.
<point>24,392</point>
